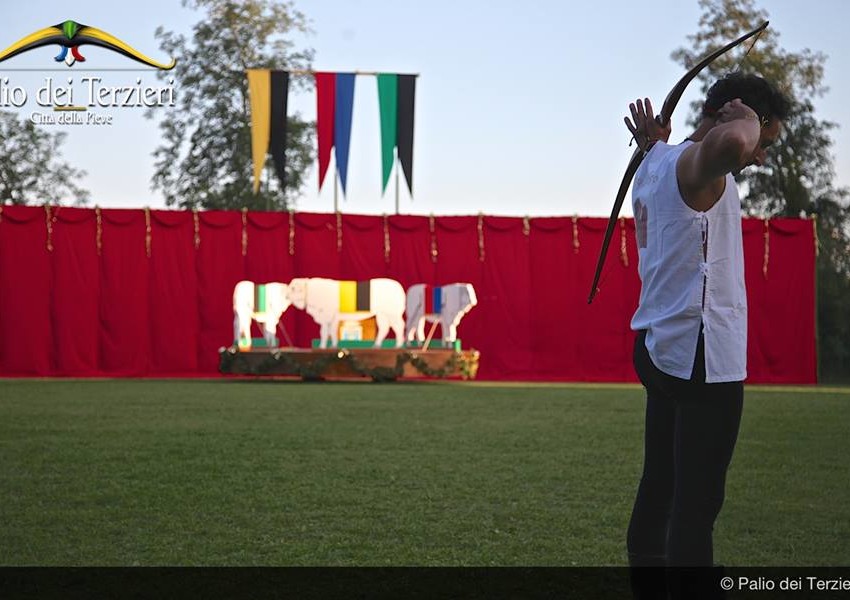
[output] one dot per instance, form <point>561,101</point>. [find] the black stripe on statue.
<point>277,139</point>
<point>363,295</point>
<point>406,102</point>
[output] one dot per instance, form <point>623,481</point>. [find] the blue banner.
<point>342,123</point>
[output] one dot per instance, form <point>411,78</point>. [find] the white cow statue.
<point>330,302</point>
<point>264,303</point>
<point>445,304</point>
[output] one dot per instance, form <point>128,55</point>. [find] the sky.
<point>519,106</point>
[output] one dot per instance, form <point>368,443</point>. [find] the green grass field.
<point>128,472</point>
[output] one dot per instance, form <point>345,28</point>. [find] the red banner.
<point>325,111</point>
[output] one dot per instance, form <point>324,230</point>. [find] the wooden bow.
<point>663,118</point>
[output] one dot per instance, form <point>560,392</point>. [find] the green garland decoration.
<point>282,363</point>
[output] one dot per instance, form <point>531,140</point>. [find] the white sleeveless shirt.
<point>684,286</point>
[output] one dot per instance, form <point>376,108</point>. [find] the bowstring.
<point>747,53</point>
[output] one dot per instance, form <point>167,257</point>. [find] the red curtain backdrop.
<point>115,292</point>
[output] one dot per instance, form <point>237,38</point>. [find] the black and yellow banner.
<point>268,91</point>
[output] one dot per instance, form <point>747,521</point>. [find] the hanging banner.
<point>259,91</point>
<point>277,137</point>
<point>342,123</point>
<point>388,103</point>
<point>406,103</point>
<point>325,109</point>
<point>268,92</point>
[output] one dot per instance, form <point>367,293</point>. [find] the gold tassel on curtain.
<point>432,227</point>
<point>624,256</point>
<point>49,220</point>
<point>147,232</point>
<point>386,239</point>
<point>481,237</point>
<point>197,224</point>
<point>245,231</point>
<point>99,235</point>
<point>526,226</point>
<point>338,231</point>
<point>766,248</point>
<point>291,232</point>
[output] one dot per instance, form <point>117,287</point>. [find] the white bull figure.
<point>445,304</point>
<point>264,303</point>
<point>330,302</point>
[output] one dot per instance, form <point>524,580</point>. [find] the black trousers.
<point>691,430</point>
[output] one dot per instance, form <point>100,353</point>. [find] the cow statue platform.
<point>354,319</point>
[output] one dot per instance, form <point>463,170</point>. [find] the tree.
<point>798,177</point>
<point>32,170</point>
<point>205,159</point>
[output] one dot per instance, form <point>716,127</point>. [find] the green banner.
<point>388,102</point>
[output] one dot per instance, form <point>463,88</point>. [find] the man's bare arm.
<point>727,147</point>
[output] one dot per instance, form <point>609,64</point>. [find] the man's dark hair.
<point>754,91</point>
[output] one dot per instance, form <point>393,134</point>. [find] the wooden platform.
<point>379,364</point>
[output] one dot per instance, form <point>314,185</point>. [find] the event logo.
<point>70,35</point>
<point>73,101</point>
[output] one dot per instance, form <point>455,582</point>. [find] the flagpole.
<point>397,167</point>
<point>336,176</point>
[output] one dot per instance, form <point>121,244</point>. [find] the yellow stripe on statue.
<point>347,296</point>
